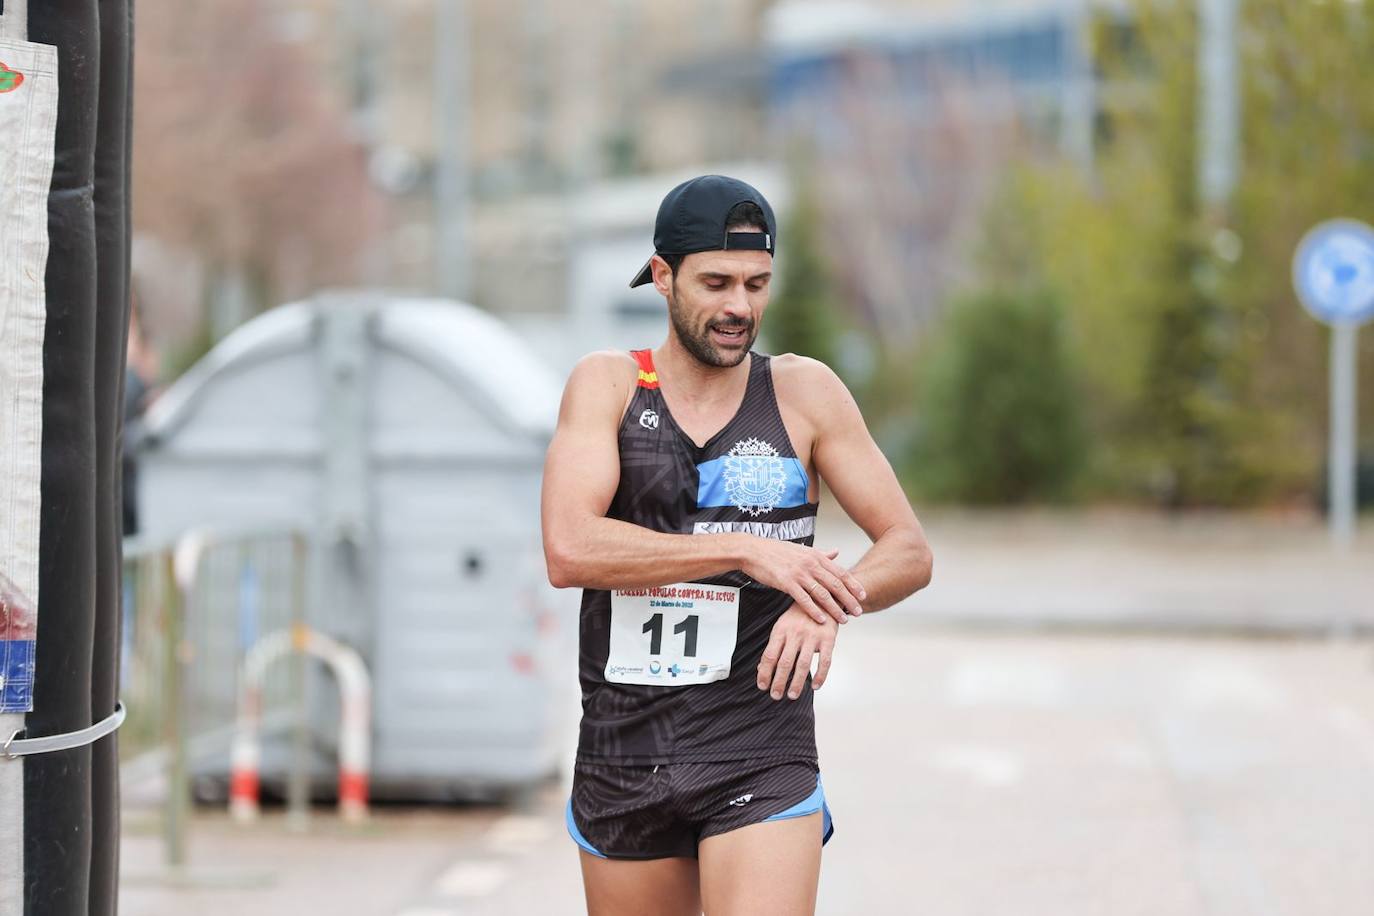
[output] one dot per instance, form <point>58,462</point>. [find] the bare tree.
<point>907,172</point>
<point>242,154</point>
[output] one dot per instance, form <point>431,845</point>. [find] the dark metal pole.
<point>112,325</point>
<point>57,785</point>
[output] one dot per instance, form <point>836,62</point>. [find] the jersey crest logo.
<point>743,800</point>
<point>648,419</point>
<point>754,476</point>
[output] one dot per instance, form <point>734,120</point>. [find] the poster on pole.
<point>28,118</point>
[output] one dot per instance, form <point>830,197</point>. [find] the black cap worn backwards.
<point>692,218</point>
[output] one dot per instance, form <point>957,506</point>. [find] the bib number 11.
<point>688,626</point>
<point>672,635</point>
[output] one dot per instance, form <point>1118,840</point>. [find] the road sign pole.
<point>1341,467</point>
<point>1333,273</point>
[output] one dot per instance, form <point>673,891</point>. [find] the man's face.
<point>716,302</point>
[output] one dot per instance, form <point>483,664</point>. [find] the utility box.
<point>406,438</point>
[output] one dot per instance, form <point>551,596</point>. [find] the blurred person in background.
<point>140,373</point>
<point>680,493</point>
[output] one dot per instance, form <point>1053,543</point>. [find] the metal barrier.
<point>355,732</point>
<point>193,608</point>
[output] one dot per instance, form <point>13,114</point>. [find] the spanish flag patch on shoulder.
<point>648,378</point>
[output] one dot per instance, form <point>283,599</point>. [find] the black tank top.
<point>746,478</point>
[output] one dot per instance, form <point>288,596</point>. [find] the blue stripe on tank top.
<point>769,482</point>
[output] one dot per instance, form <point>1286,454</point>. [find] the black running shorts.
<point>652,812</point>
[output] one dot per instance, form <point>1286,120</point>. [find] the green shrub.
<point>804,318</point>
<point>1001,416</point>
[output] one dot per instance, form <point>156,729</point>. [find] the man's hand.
<point>795,638</point>
<point>813,579</point>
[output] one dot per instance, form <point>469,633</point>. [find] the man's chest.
<point>759,461</point>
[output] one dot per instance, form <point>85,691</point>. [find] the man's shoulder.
<point>614,367</point>
<point>610,359</point>
<point>602,383</point>
<point>801,376</point>
<point>812,389</point>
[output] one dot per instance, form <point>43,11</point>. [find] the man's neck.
<point>694,380</point>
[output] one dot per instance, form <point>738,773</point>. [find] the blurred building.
<point>910,114</point>
<point>908,110</point>
<point>558,96</point>
<point>1022,59</point>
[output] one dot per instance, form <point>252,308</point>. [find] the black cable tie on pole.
<point>16,747</point>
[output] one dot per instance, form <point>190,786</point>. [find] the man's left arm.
<point>899,562</point>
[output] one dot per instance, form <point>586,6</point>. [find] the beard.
<point>697,341</point>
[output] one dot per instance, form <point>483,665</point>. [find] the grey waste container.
<point>407,437</point>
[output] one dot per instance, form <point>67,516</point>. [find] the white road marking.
<point>1228,684</point>
<point>988,765</point>
<point>518,832</point>
<point>1355,725</point>
<point>1129,754</point>
<point>471,879</point>
<point>1006,681</point>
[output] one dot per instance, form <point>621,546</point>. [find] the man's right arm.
<point>583,548</point>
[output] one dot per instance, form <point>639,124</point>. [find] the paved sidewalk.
<point>1119,570</point>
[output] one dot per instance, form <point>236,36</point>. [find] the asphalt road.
<point>976,771</point>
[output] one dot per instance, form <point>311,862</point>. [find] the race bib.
<point>672,635</point>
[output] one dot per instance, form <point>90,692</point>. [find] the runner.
<point>680,493</point>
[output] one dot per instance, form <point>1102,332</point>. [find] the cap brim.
<point>645,275</point>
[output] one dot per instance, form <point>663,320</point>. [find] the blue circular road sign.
<point>1333,272</point>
